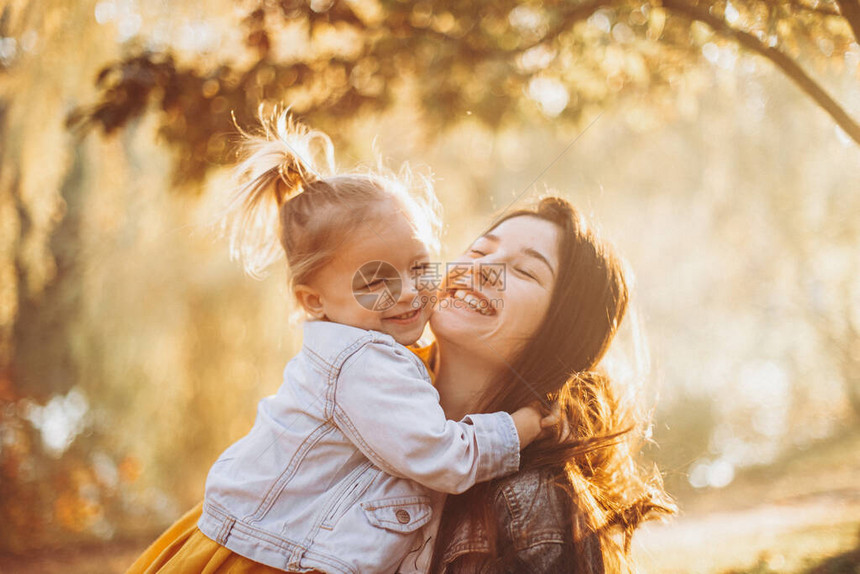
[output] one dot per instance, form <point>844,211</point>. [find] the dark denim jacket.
<point>534,524</point>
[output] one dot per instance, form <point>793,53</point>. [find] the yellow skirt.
<point>183,548</point>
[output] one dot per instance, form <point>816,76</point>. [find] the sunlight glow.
<point>550,94</point>
<point>60,420</point>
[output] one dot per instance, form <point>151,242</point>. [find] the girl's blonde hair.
<point>289,199</point>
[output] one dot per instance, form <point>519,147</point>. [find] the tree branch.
<point>820,10</point>
<point>780,60</point>
<point>577,14</point>
<point>850,10</point>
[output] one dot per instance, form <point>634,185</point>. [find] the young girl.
<point>337,475</point>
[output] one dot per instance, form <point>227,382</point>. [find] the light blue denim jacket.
<point>337,472</point>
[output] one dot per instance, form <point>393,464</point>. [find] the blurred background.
<point>715,143</point>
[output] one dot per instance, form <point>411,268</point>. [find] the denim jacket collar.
<point>328,340</point>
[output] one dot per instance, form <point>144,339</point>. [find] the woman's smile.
<point>493,317</point>
<point>469,300</point>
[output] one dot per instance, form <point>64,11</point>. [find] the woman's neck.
<point>461,378</point>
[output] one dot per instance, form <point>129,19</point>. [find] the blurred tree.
<point>498,62</point>
<point>101,324</point>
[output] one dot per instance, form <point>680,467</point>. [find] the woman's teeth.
<point>477,304</point>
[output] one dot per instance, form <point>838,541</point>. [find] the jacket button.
<point>402,516</point>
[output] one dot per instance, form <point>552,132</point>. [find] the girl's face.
<point>513,269</point>
<point>370,282</point>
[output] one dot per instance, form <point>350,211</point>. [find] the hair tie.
<point>292,176</point>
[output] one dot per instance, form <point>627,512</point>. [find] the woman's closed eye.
<point>525,273</point>
<point>518,270</point>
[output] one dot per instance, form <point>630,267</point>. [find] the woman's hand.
<point>530,422</point>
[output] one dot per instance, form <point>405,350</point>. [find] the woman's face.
<point>494,309</point>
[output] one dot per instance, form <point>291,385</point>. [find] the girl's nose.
<point>409,285</point>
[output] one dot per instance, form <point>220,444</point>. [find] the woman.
<point>558,309</point>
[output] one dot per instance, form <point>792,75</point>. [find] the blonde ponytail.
<point>289,200</point>
<point>278,162</point>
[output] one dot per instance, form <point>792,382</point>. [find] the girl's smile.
<point>406,318</point>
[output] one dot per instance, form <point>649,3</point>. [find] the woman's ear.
<point>311,300</point>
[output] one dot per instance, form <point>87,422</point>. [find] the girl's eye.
<point>477,252</point>
<point>374,284</point>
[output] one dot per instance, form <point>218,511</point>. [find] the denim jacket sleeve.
<point>390,411</point>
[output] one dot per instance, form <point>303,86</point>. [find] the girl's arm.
<point>530,422</point>
<point>386,407</point>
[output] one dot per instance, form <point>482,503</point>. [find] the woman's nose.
<point>489,274</point>
<point>484,272</point>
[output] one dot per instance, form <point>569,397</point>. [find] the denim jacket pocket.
<point>404,514</point>
<point>356,484</point>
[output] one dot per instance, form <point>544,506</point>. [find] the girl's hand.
<point>555,418</point>
<point>530,422</point>
<point>550,420</point>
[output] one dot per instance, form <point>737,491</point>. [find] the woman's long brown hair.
<point>595,462</point>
